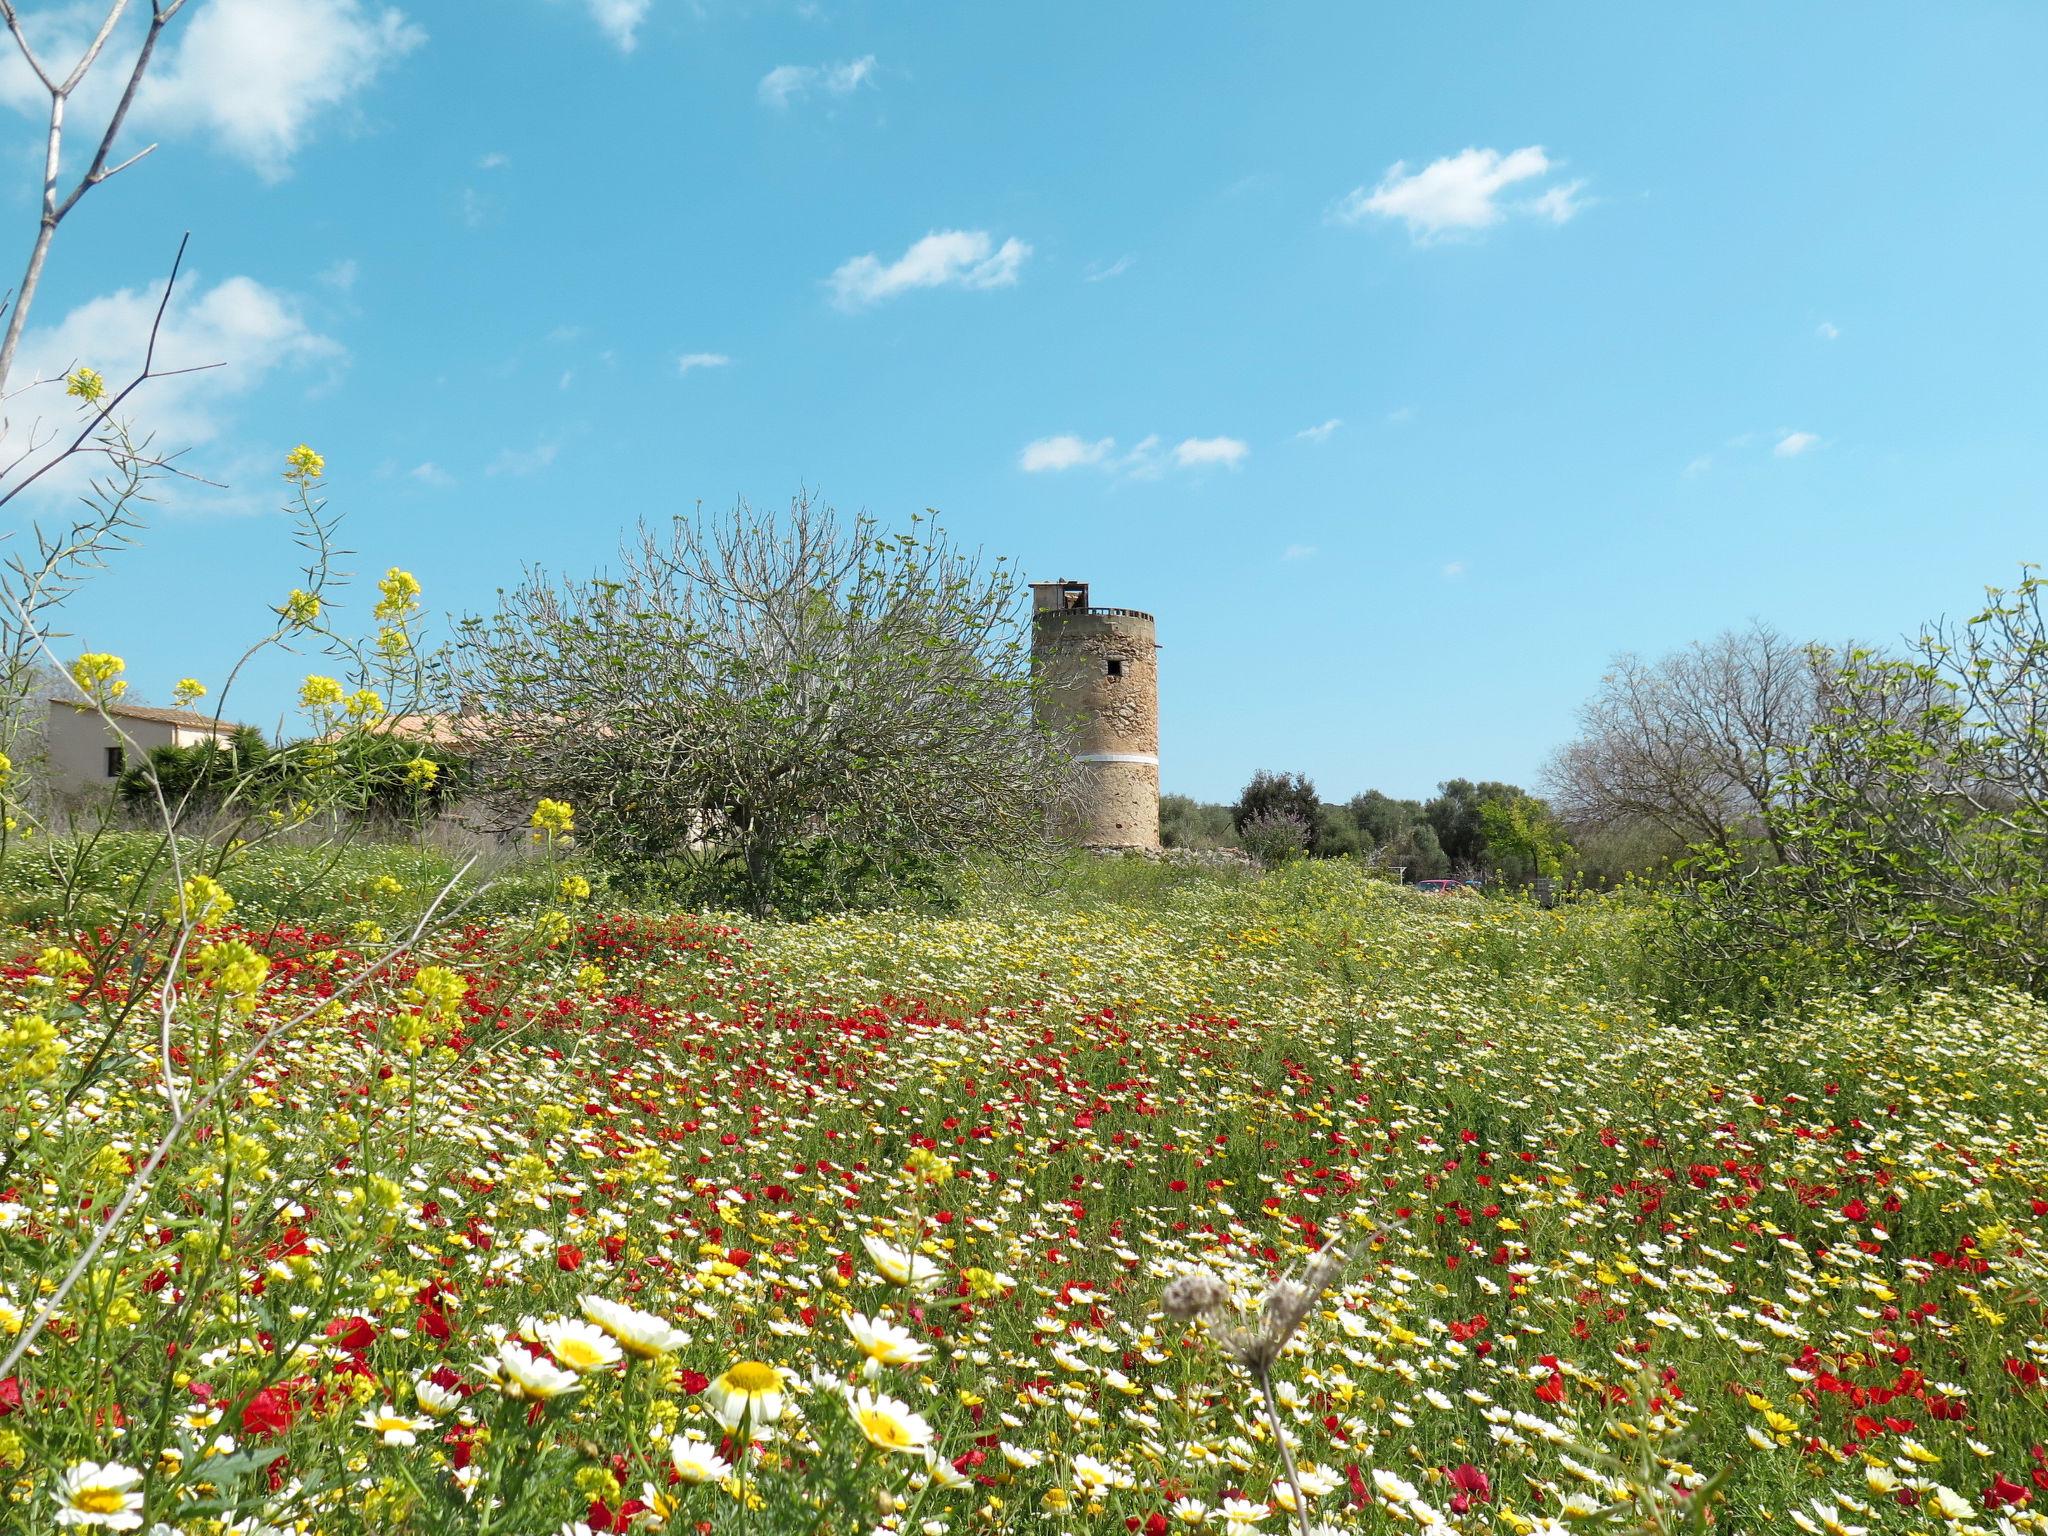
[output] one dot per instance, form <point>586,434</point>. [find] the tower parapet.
<point>1099,677</point>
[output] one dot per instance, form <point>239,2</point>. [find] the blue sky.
<point>1408,363</point>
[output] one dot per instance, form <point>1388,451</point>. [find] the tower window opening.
<point>1116,666</point>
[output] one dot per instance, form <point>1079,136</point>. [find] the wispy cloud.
<point>1298,552</point>
<point>956,258</point>
<point>1827,330</point>
<point>786,82</point>
<point>1462,193</point>
<point>1454,570</point>
<point>1064,451</point>
<point>692,360</point>
<point>1199,452</point>
<point>494,161</point>
<point>430,473</point>
<point>340,275</point>
<point>1400,416</point>
<point>1101,272</point>
<point>1699,465</point>
<point>619,20</point>
<point>1320,433</point>
<point>1144,460</point>
<point>1791,444</point>
<point>523,461</point>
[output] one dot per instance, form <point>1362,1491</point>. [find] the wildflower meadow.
<point>579,1220</point>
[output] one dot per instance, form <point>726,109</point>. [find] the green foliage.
<point>808,878</point>
<point>773,690</point>
<point>1271,801</point>
<point>1913,829</point>
<point>1185,822</point>
<point>1520,834</point>
<point>202,774</point>
<point>1398,835</point>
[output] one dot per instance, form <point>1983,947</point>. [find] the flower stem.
<point>1286,1453</point>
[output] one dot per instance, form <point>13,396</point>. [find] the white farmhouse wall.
<point>77,743</point>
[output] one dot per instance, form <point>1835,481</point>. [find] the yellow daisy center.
<point>752,1377</point>
<point>885,1429</point>
<point>99,1501</point>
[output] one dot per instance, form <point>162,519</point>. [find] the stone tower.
<point>1100,672</point>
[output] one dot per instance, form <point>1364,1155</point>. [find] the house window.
<point>117,762</point>
<point>1116,666</point>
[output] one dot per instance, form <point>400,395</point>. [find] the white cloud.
<point>1454,570</point>
<point>965,258</point>
<point>1826,330</point>
<point>254,334</point>
<point>249,331</point>
<point>690,360</point>
<point>339,275</point>
<point>1460,193</point>
<point>1143,461</point>
<point>1400,416</point>
<point>523,461</point>
<point>1064,451</point>
<point>1699,466</point>
<point>430,473</point>
<point>785,82</point>
<point>1297,552</point>
<point>494,161</point>
<point>254,75</point>
<point>1196,452</point>
<point>1558,204</point>
<point>619,20</point>
<point>1321,432</point>
<point>1792,444</point>
<point>1098,272</point>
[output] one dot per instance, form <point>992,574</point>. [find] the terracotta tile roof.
<point>191,719</point>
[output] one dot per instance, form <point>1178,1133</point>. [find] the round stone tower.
<point>1099,672</point>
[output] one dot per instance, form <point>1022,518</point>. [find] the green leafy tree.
<point>1270,795</point>
<point>752,686</point>
<point>1915,829</point>
<point>1185,822</point>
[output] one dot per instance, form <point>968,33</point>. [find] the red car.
<point>1446,887</point>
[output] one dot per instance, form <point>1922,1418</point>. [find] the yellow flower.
<point>86,384</point>
<point>301,608</point>
<point>102,1494</point>
<point>890,1424</point>
<point>318,692</point>
<point>580,1346</point>
<point>401,591</point>
<point>202,901</point>
<point>98,675</point>
<point>748,1390</point>
<point>30,1049</point>
<point>437,992</point>
<point>641,1334</point>
<point>365,705</point>
<point>188,689</point>
<point>421,772</point>
<point>554,817</point>
<point>235,968</point>
<point>574,888</point>
<point>303,465</point>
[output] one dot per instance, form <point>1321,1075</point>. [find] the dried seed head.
<point>1193,1295</point>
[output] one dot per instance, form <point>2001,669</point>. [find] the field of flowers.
<point>642,1223</point>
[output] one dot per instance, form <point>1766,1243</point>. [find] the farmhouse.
<point>86,756</point>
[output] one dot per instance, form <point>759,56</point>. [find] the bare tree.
<point>752,684</point>
<point>1699,743</point>
<point>60,88</point>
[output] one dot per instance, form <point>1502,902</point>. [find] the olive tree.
<point>750,688</point>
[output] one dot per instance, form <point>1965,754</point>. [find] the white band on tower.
<point>1117,757</point>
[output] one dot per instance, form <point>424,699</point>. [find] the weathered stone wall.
<point>1107,716</point>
